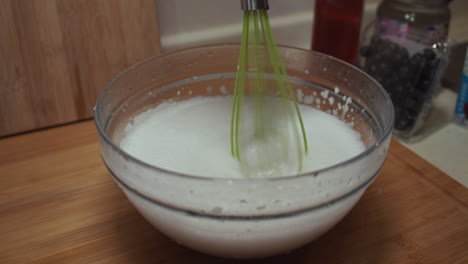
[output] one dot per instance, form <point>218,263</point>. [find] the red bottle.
<point>336,28</point>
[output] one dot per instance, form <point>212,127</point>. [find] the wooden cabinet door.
<point>56,55</point>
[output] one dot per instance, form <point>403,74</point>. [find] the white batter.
<point>192,137</point>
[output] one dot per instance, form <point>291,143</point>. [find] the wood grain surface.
<point>59,205</point>
<point>56,55</point>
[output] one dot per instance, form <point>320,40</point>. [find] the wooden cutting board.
<point>59,205</point>
<point>56,55</point>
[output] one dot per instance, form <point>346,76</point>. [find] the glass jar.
<point>406,49</point>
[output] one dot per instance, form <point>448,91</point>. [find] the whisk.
<point>267,130</point>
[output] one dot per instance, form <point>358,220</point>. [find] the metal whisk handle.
<point>254,4</point>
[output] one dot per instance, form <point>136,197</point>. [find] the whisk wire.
<point>283,80</point>
<point>260,88</point>
<point>285,76</point>
<point>239,89</point>
<point>258,50</point>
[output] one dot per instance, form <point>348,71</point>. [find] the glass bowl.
<point>243,217</point>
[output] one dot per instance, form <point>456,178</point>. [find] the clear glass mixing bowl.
<point>244,217</point>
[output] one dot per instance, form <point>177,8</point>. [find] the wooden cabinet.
<point>56,55</point>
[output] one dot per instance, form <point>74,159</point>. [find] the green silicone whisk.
<point>272,137</point>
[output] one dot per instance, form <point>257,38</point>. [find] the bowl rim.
<point>103,135</point>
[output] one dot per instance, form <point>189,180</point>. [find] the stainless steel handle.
<point>254,4</point>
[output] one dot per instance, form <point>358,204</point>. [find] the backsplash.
<point>187,23</point>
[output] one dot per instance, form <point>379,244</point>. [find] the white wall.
<point>186,23</point>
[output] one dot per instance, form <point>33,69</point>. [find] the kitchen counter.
<point>443,143</point>
<point>59,205</point>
